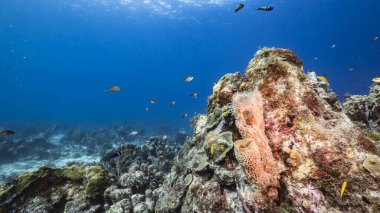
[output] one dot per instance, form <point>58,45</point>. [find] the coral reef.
<point>293,147</point>
<point>273,140</point>
<point>364,110</point>
<point>138,174</point>
<point>123,184</point>
<point>73,189</point>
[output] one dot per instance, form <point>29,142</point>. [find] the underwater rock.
<point>372,165</point>
<point>218,145</point>
<point>364,110</point>
<point>223,91</point>
<point>121,206</point>
<point>138,172</point>
<point>73,189</point>
<point>293,128</point>
<point>324,91</point>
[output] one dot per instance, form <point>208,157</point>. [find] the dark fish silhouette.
<point>7,132</point>
<point>194,94</point>
<point>239,7</point>
<point>119,153</point>
<point>268,8</point>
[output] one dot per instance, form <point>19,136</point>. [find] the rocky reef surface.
<point>137,174</point>
<point>72,189</point>
<point>275,139</point>
<point>61,145</point>
<point>124,183</point>
<point>364,111</point>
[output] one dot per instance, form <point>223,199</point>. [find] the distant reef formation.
<point>275,139</point>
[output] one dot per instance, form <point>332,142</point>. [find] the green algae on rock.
<point>56,190</point>
<point>218,145</point>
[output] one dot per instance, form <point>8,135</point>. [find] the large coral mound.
<point>290,133</point>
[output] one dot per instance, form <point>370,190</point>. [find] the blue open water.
<point>57,57</point>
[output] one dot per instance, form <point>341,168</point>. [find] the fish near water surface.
<point>267,8</point>
<point>239,7</point>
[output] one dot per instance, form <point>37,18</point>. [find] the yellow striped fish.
<point>322,78</point>
<point>212,149</point>
<point>343,188</point>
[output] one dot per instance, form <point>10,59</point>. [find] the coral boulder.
<point>293,147</point>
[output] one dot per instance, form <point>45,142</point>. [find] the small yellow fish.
<point>113,89</point>
<point>194,94</point>
<point>184,115</point>
<point>376,80</point>
<point>153,101</point>
<point>188,79</point>
<point>322,78</point>
<point>343,188</point>
<point>212,149</point>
